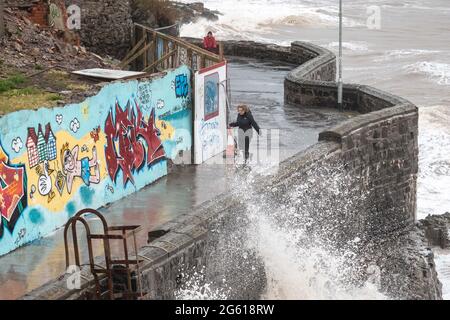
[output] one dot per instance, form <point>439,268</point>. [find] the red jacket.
<point>209,42</point>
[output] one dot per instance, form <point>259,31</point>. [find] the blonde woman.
<point>245,122</point>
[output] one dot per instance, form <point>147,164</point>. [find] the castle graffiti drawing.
<point>40,147</point>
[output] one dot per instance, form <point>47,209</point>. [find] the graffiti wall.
<point>210,112</point>
<point>54,162</point>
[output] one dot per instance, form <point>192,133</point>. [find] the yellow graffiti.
<point>85,111</point>
<point>54,201</point>
<point>166,129</point>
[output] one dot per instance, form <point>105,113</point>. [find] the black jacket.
<point>245,122</point>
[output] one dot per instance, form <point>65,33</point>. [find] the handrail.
<point>183,43</point>
<point>167,27</point>
<point>152,48</point>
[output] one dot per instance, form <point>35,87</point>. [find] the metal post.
<point>340,58</point>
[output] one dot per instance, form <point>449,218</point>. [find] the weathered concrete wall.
<point>55,162</point>
<point>375,152</point>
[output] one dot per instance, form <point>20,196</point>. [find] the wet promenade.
<point>255,83</point>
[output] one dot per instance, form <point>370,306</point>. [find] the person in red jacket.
<point>209,42</point>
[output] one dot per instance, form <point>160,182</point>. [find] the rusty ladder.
<point>111,266</point>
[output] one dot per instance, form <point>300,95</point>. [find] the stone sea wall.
<point>375,154</point>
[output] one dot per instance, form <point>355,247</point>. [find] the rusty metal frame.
<point>109,233</point>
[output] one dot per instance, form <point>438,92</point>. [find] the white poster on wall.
<point>210,121</point>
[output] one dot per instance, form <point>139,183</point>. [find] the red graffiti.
<point>125,148</point>
<point>95,134</point>
<point>13,197</point>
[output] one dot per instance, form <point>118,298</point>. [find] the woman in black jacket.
<point>245,122</point>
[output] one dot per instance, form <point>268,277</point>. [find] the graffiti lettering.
<point>127,129</point>
<point>181,86</point>
<point>13,192</point>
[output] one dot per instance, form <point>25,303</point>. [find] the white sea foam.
<point>255,20</point>
<point>353,46</point>
<point>435,71</point>
<point>434,161</point>
<point>404,53</point>
<point>442,260</point>
<point>282,242</point>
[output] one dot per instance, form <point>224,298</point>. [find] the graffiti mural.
<point>41,147</point>
<point>13,192</point>
<point>129,131</point>
<point>56,15</point>
<point>58,161</point>
<point>181,86</point>
<point>73,167</point>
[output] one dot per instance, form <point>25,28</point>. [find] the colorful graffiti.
<point>73,167</point>
<point>181,86</point>
<point>41,147</point>
<point>13,191</point>
<point>64,159</point>
<point>126,128</point>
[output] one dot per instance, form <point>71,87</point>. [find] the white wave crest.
<point>436,71</point>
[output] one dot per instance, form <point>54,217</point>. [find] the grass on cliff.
<point>17,94</point>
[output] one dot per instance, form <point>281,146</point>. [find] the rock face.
<point>407,266</point>
<point>165,13</point>
<point>191,12</point>
<point>436,229</point>
<point>106,26</point>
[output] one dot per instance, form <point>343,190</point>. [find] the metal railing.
<point>154,51</point>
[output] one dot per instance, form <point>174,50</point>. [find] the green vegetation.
<point>26,98</point>
<point>11,82</point>
<point>15,95</point>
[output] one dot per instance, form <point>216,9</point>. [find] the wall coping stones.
<point>345,128</point>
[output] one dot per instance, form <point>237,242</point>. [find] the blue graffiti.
<point>181,86</point>
<point>87,195</point>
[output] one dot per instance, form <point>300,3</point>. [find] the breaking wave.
<point>435,71</point>
<point>434,162</point>
<point>287,236</point>
<point>257,20</point>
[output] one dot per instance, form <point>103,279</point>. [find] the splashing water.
<point>278,243</point>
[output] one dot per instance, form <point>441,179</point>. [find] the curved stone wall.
<point>376,150</point>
